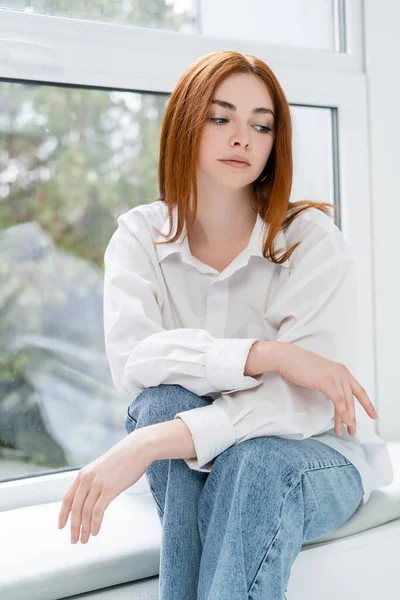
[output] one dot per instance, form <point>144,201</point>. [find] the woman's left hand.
<point>99,482</point>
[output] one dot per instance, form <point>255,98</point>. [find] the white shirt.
<point>171,319</point>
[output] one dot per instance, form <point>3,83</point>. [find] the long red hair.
<point>184,118</point>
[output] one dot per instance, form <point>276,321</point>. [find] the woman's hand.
<point>334,379</point>
<point>98,483</point>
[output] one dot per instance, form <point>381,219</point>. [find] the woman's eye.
<point>264,128</point>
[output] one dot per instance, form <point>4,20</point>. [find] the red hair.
<point>184,118</point>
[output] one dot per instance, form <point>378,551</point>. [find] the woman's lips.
<point>235,163</point>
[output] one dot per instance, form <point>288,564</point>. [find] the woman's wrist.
<point>169,439</point>
<point>279,354</point>
<point>263,357</point>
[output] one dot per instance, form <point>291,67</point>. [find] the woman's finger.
<point>338,423</point>
<point>340,400</point>
<point>67,503</point>
<point>336,394</point>
<point>348,392</point>
<point>87,511</point>
<point>362,396</point>
<point>98,512</point>
<point>76,509</point>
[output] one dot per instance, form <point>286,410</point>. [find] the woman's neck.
<point>222,222</point>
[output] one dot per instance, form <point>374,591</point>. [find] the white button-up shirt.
<point>171,319</point>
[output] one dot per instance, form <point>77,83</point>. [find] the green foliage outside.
<point>71,161</point>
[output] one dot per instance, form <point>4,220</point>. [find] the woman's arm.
<point>172,439</point>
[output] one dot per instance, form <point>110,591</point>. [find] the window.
<point>309,23</point>
<point>315,159</point>
<point>81,105</point>
<point>170,15</point>
<point>71,161</point>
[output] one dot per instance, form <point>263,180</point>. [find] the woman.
<point>238,360</point>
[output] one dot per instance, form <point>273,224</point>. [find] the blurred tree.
<point>71,161</point>
<point>157,14</point>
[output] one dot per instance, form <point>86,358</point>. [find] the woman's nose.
<point>241,135</point>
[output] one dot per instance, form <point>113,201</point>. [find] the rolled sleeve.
<point>225,363</point>
<point>314,309</point>
<point>212,432</point>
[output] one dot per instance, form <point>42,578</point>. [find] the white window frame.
<point>381,59</point>
<point>57,50</point>
<point>86,53</point>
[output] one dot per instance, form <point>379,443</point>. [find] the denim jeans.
<point>234,533</point>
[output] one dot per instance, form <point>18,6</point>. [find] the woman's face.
<point>237,130</point>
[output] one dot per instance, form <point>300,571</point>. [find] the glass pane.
<point>309,23</point>
<point>170,15</point>
<point>313,155</point>
<point>71,161</point>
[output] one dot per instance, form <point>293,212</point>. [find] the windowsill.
<point>40,557</point>
<point>43,489</point>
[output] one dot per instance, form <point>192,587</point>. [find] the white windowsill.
<point>40,557</point>
<point>42,489</point>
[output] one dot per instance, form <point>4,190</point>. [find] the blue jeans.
<point>234,533</point>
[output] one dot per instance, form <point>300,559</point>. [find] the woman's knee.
<point>161,403</point>
<point>259,463</point>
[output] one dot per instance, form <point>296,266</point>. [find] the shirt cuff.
<point>212,433</point>
<point>225,363</point>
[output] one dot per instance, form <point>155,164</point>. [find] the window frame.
<point>37,48</point>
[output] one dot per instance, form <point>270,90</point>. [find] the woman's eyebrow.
<point>230,106</point>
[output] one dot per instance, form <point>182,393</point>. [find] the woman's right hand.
<point>334,379</point>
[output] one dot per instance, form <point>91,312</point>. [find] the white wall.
<point>382,54</point>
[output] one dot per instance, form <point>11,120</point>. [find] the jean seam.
<point>155,498</point>
<point>298,481</point>
<point>130,416</point>
<point>128,420</point>
<point>266,553</point>
<point>328,466</point>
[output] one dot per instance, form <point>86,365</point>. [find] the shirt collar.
<point>254,247</point>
